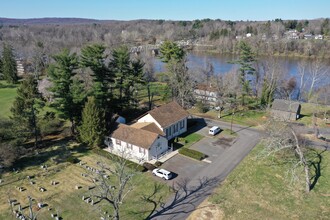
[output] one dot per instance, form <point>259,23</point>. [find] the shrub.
<point>158,163</point>
<point>115,158</point>
<point>72,159</point>
<point>201,107</point>
<point>192,153</point>
<point>149,166</point>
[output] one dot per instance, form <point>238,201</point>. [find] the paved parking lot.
<point>183,167</point>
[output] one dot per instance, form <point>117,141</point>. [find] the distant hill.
<point>31,21</point>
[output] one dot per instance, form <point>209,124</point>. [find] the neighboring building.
<point>206,94</point>
<point>170,118</point>
<point>119,119</point>
<point>292,34</point>
<point>285,109</point>
<point>319,37</point>
<point>248,35</point>
<point>308,36</point>
<point>20,68</point>
<point>136,143</point>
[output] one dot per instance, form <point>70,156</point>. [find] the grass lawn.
<point>258,189</point>
<point>159,90</point>
<point>64,197</point>
<point>247,118</point>
<point>7,96</point>
<point>307,110</point>
<point>190,139</point>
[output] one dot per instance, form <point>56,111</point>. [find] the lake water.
<point>221,64</point>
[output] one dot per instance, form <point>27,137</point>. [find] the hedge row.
<point>113,157</point>
<point>192,153</point>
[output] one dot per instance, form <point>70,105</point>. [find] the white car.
<point>162,173</point>
<point>214,130</point>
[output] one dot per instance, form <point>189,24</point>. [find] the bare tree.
<point>180,82</point>
<point>317,71</point>
<point>273,73</point>
<point>302,66</point>
<point>113,182</point>
<point>284,136</point>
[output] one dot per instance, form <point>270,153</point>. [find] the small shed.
<point>285,109</point>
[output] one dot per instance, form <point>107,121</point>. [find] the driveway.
<point>183,167</point>
<point>207,176</point>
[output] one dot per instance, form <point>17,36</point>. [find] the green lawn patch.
<point>7,97</point>
<point>244,117</point>
<point>113,157</point>
<point>321,111</point>
<point>259,188</point>
<point>189,139</point>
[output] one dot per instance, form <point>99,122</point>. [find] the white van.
<point>214,130</point>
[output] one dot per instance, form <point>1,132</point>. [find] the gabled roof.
<point>135,136</point>
<point>285,105</point>
<point>168,114</point>
<point>205,87</point>
<point>148,126</point>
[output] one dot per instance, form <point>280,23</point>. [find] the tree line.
<point>268,37</point>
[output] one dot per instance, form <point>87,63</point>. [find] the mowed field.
<point>261,188</point>
<point>7,96</point>
<point>63,198</point>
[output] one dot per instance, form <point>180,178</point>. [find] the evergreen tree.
<point>246,61</point>
<point>170,50</point>
<point>178,76</point>
<point>120,66</point>
<point>26,107</point>
<point>68,93</point>
<point>93,57</point>
<point>9,66</point>
<point>127,74</point>
<point>92,128</point>
<point>1,76</point>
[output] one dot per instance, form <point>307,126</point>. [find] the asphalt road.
<point>192,192</point>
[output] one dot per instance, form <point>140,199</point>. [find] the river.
<point>221,64</point>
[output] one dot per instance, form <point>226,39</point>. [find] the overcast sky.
<point>167,9</point>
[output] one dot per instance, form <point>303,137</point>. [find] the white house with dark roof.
<point>147,139</point>
<point>137,144</point>
<point>170,118</point>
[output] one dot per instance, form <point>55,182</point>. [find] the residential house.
<point>206,94</point>
<point>292,34</point>
<point>285,109</point>
<point>170,118</point>
<point>308,36</point>
<point>20,68</point>
<point>319,37</point>
<point>147,139</point>
<point>136,143</point>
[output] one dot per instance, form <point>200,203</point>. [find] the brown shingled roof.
<point>135,136</point>
<point>168,114</point>
<point>148,126</point>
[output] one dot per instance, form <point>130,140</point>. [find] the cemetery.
<point>56,189</point>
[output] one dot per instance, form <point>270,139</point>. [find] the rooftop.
<point>285,105</point>
<point>168,114</point>
<point>148,126</point>
<point>135,136</point>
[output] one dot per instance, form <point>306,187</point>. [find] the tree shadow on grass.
<point>58,154</point>
<point>185,199</point>
<point>315,166</point>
